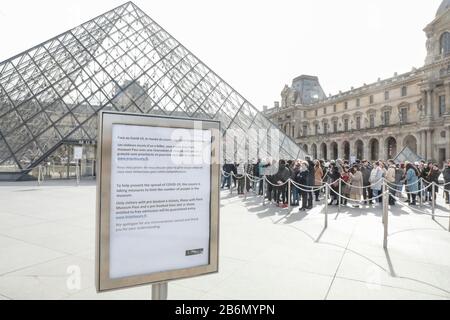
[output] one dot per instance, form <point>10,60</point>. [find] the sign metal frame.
<point>106,120</point>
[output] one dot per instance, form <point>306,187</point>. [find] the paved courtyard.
<point>47,239</point>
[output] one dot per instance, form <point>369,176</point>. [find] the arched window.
<point>445,43</point>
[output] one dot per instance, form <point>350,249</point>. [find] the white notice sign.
<point>78,153</point>
<point>160,199</point>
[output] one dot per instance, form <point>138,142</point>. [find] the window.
<point>305,114</point>
<point>334,108</point>
<point>445,43</point>
<point>371,99</point>
<point>372,121</point>
<point>325,128</point>
<point>386,95</point>
<point>345,125</point>
<point>404,91</point>
<point>305,131</point>
<point>358,123</point>
<point>358,102</point>
<point>403,115</point>
<point>441,105</point>
<point>317,112</point>
<point>317,129</point>
<point>386,118</point>
<point>324,110</point>
<point>335,126</point>
<point>346,105</point>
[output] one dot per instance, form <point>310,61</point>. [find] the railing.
<point>387,189</point>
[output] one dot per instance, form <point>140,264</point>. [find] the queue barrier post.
<point>383,191</point>
<point>339,196</point>
<point>420,194</point>
<point>264,190</point>
<point>245,186</point>
<point>385,215</point>
<point>77,173</point>
<point>327,192</point>
<point>433,201</point>
<point>231,183</point>
<point>39,174</point>
<point>289,193</point>
<point>448,224</point>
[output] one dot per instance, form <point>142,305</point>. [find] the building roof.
<point>443,7</point>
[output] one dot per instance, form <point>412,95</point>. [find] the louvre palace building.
<point>378,120</point>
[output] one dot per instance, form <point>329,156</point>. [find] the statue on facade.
<point>420,108</point>
<point>292,98</point>
<point>430,45</point>
<point>284,96</point>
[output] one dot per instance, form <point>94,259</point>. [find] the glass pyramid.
<point>407,155</point>
<point>122,61</point>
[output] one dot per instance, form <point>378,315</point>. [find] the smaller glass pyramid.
<point>407,155</point>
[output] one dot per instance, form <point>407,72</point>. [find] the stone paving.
<point>47,235</point>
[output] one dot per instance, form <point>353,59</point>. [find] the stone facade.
<point>377,120</point>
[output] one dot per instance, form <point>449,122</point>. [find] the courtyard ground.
<point>47,234</point>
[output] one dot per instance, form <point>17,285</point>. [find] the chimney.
<point>265,109</point>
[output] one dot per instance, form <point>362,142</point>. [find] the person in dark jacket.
<point>281,177</point>
<point>424,175</point>
<point>301,178</point>
<point>433,177</point>
<point>310,183</point>
<point>256,174</point>
<point>334,177</point>
<point>289,164</point>
<point>366,170</point>
<point>227,169</point>
<point>446,174</point>
<point>234,169</point>
<point>295,190</point>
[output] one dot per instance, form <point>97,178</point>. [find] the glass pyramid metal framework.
<point>407,155</point>
<point>123,61</point>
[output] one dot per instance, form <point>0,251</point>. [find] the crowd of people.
<point>358,182</point>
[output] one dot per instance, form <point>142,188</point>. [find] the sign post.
<point>157,200</point>
<point>77,156</point>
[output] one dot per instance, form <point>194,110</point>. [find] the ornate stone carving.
<point>288,97</point>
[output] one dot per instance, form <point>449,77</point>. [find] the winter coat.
<point>433,176</point>
<point>318,174</point>
<point>399,174</point>
<point>311,173</point>
<point>390,174</point>
<point>256,169</point>
<point>334,177</point>
<point>365,171</point>
<point>446,174</point>
<point>345,183</point>
<point>241,169</point>
<point>302,177</point>
<point>356,181</point>
<point>228,167</point>
<point>376,178</point>
<point>283,174</point>
<point>411,180</point>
